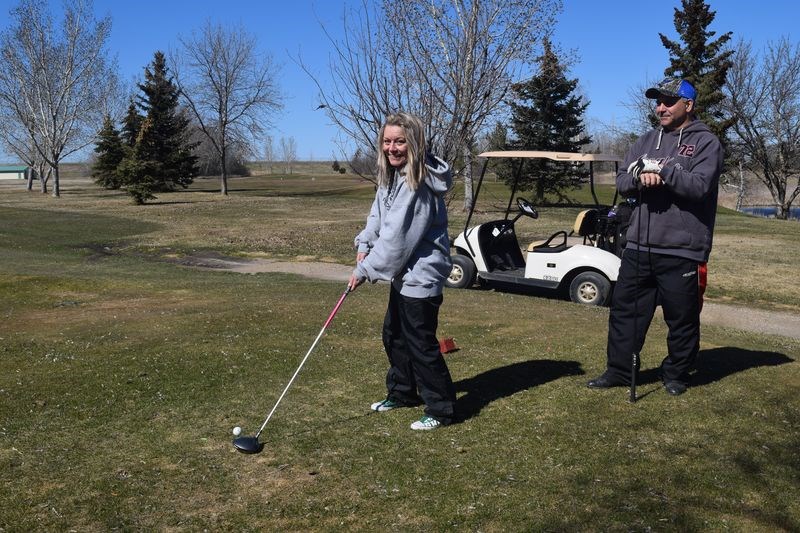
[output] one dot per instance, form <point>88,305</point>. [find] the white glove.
<point>643,165</point>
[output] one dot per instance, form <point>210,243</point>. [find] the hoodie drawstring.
<point>661,132</point>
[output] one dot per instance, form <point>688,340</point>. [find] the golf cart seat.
<point>556,243</point>
<point>586,225</point>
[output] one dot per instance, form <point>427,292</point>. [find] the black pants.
<point>418,370</point>
<point>669,281</point>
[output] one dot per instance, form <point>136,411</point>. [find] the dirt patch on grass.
<point>246,265</point>
<point>715,314</point>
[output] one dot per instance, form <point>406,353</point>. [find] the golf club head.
<point>247,444</point>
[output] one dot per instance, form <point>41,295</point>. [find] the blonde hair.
<point>414,133</point>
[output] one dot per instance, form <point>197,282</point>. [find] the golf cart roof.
<point>555,156</point>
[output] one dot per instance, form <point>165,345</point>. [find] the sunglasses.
<point>668,101</point>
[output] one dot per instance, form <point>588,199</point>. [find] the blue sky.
<point>617,45</point>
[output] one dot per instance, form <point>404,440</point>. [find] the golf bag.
<point>618,221</point>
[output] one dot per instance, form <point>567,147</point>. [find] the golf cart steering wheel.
<point>526,208</point>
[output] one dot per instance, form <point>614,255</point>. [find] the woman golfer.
<point>405,242</point>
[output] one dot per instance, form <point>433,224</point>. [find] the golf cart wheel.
<point>590,288</point>
<point>462,275</point>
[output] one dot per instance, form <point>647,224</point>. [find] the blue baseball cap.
<point>672,88</point>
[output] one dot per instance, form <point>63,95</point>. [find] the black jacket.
<point>676,218</point>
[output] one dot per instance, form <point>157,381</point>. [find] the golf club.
<point>252,444</point>
<point>635,356</point>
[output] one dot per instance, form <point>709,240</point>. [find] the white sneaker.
<point>384,405</point>
<point>425,423</point>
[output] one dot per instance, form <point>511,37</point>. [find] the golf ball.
<point>237,431</point>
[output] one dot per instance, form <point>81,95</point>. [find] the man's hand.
<point>650,179</point>
<point>644,166</point>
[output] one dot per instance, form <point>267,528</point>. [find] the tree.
<point>230,88</point>
<point>701,61</point>
<point>763,96</point>
<point>449,61</point>
<point>269,152</point>
<point>208,159</point>
<point>167,139</point>
<point>110,153</point>
<point>289,151</point>
<point>139,170</point>
<point>611,139</point>
<point>131,124</point>
<point>495,139</point>
<point>547,115</point>
<point>54,80</point>
<point>18,140</point>
<point>363,164</point>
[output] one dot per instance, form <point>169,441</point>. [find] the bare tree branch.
<point>229,87</point>
<point>449,61</point>
<point>763,94</point>
<point>61,76</point>
<point>289,151</point>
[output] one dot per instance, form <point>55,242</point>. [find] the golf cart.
<point>583,262</point>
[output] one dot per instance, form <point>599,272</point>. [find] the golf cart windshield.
<point>521,155</point>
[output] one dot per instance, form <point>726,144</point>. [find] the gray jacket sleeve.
<point>369,235</point>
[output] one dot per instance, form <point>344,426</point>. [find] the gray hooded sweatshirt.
<point>676,218</point>
<point>406,234</point>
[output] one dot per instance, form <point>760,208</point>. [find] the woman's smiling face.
<point>395,146</point>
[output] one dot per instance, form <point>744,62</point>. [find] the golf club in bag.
<point>251,444</point>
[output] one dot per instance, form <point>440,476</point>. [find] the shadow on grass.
<point>483,389</point>
<point>718,363</point>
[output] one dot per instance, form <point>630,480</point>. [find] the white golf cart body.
<point>543,267</point>
<point>579,262</point>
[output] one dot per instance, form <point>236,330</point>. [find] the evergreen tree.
<point>702,61</point>
<point>548,116</point>
<point>139,170</point>
<point>110,152</point>
<point>167,138</point>
<point>131,125</point>
<point>497,140</point>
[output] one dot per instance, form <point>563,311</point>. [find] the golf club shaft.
<point>635,356</point>
<point>319,336</point>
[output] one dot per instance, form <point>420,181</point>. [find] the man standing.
<point>673,171</point>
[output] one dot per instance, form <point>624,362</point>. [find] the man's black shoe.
<point>605,382</point>
<point>675,388</point>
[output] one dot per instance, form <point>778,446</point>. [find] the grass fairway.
<point>122,374</point>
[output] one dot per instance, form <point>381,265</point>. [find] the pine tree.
<point>167,137</point>
<point>701,61</point>
<point>139,171</point>
<point>497,140</point>
<point>131,125</point>
<point>548,116</point>
<point>110,152</point>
